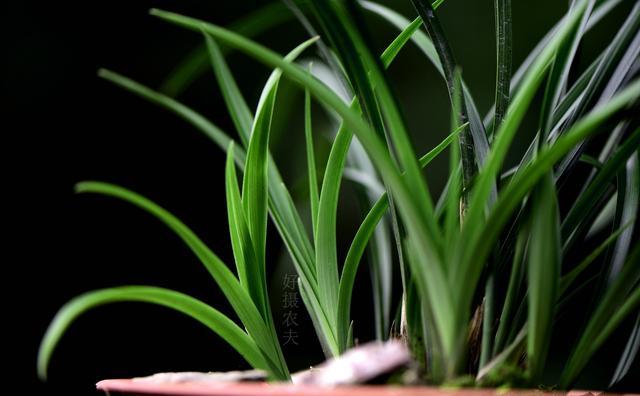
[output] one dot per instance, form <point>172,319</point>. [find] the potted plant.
<point>487,266</point>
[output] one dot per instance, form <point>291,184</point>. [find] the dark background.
<point>62,124</point>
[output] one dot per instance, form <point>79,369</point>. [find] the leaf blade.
<point>196,309</point>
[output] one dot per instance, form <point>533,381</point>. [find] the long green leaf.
<point>522,184</point>
<point>425,45</point>
<point>469,264</point>
<point>543,273</point>
<point>326,249</point>
<point>228,283</point>
<point>628,355</point>
<point>620,300</point>
<point>196,61</point>
<point>559,74</point>
<point>282,209</point>
<point>238,109</point>
<point>247,263</point>
<point>503,60</point>
<point>196,309</point>
<point>255,181</point>
<point>363,236</point>
<point>601,11</point>
<point>612,55</point>
<point>569,278</point>
<point>629,212</point>
<point>596,189</point>
<point>449,65</point>
<point>311,161</point>
<point>516,278</point>
<point>194,118</point>
<point>411,208</point>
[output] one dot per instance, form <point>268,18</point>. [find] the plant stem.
<point>467,151</point>
<point>503,61</point>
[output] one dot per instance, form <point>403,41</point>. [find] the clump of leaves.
<point>488,266</point>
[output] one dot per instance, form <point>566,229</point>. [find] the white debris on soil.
<point>192,376</point>
<point>357,365</point>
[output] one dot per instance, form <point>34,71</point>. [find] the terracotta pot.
<point>132,387</point>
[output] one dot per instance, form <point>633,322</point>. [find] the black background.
<point>62,124</point>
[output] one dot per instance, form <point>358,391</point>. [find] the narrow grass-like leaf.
<point>228,283</point>
<point>365,73</point>
<point>326,249</point>
<point>363,235</point>
<point>196,61</point>
<point>255,184</point>
<point>196,309</point>
<point>629,212</point>
<point>559,74</point>
<point>469,264</point>
<point>620,299</point>
<point>522,184</point>
<point>543,273</point>
<point>503,60</point>
<point>411,205</point>
<point>431,278</point>
<point>506,354</point>
<point>516,278</point>
<point>560,114</point>
<point>238,109</point>
<point>602,10</point>
<point>544,258</point>
<point>623,71</point>
<point>243,249</point>
<point>575,272</point>
<point>352,261</point>
<point>614,52</point>
<point>628,355</point>
<point>594,191</point>
<point>311,161</point>
<point>194,118</point>
<point>425,45</point>
<point>255,181</point>
<point>456,203</point>
<point>281,206</point>
<point>449,65</point>
<point>329,345</point>
<point>364,179</point>
<point>286,218</point>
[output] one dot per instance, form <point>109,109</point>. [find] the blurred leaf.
<point>621,298</point>
<point>612,56</point>
<point>544,260</point>
<point>195,62</point>
<point>516,278</point>
<point>595,190</point>
<point>628,355</point>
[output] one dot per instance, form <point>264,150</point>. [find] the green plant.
<point>489,266</point>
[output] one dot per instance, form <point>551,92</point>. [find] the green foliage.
<point>489,264</point>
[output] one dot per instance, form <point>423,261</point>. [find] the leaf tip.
<point>84,187</point>
<point>103,73</point>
